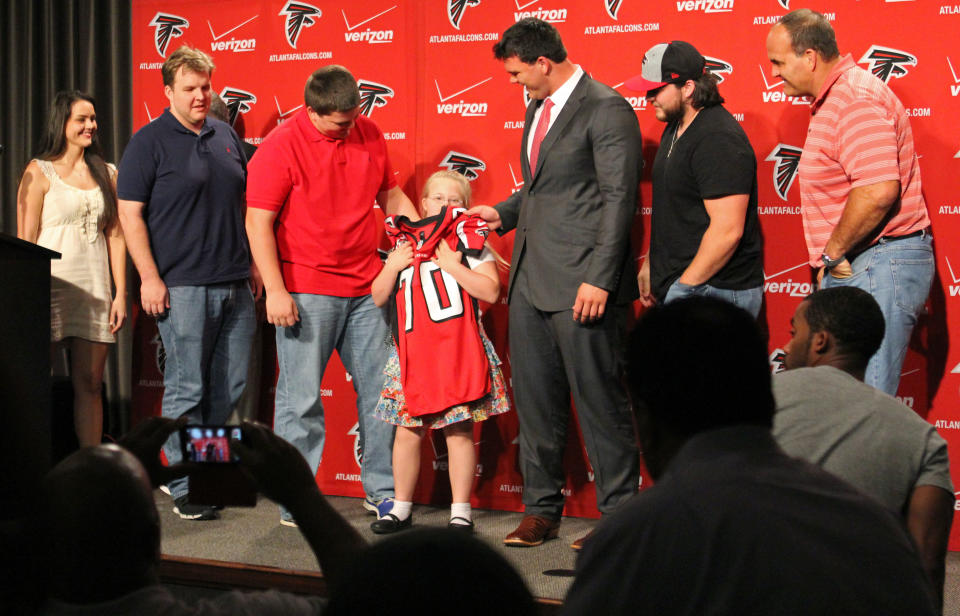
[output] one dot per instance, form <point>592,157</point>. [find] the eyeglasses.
<point>446,200</point>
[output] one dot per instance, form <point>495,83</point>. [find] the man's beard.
<point>673,115</point>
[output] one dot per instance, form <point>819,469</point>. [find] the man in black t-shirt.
<point>705,237</point>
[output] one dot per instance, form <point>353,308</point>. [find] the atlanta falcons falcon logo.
<point>465,165</point>
<point>613,7</point>
<point>718,67</point>
<point>300,15</point>
<point>372,95</point>
<point>778,361</point>
<point>785,4</point>
<point>159,354</point>
<point>455,10</point>
<point>357,446</point>
<point>787,158</point>
<point>237,101</point>
<point>167,27</point>
<point>887,63</point>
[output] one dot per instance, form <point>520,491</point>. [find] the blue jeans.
<point>898,274</point>
<point>207,335</point>
<point>748,299</point>
<point>357,329</point>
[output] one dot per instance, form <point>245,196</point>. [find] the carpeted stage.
<point>254,536</point>
<point>249,545</point>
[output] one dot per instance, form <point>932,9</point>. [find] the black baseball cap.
<point>665,63</point>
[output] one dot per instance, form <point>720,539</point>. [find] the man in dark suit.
<point>572,275</point>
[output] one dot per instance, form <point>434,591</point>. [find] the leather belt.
<point>885,239</point>
<point>893,238</point>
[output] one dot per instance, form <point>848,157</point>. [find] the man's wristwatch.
<point>832,263</point>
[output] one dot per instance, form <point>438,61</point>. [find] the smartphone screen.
<point>208,444</point>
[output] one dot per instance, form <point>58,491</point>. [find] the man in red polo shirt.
<point>313,234</point>
<point>864,216</point>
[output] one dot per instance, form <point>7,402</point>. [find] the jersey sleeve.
<point>394,234</point>
<point>472,234</point>
<point>486,255</point>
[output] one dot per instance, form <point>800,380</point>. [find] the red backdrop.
<point>430,81</point>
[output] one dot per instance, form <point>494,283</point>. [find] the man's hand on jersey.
<point>400,257</point>
<point>446,258</point>
<point>490,215</point>
<point>281,309</point>
<point>643,281</point>
<point>154,296</point>
<point>590,304</point>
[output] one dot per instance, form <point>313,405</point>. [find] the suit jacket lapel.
<point>570,109</point>
<point>524,154</point>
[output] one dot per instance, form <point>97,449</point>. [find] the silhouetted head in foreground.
<point>432,571</point>
<point>695,365</point>
<point>100,527</point>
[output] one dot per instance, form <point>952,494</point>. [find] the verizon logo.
<point>707,6</point>
<point>955,86</point>
<point>461,107</point>
<point>955,287</point>
<point>368,35</point>
<point>778,96</point>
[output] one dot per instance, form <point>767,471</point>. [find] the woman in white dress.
<point>67,202</point>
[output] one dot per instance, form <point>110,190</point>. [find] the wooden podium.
<point>25,414</point>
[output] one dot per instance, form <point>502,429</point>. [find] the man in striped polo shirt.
<point>864,216</point>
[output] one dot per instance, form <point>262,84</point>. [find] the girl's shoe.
<point>459,523</point>
<point>390,524</point>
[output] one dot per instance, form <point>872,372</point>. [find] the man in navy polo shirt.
<point>181,189</point>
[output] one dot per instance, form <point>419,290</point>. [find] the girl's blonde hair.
<point>458,178</point>
<point>464,184</point>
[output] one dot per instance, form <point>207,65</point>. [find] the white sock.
<point>402,509</point>
<point>460,510</point>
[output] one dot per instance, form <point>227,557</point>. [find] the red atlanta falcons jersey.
<point>442,359</point>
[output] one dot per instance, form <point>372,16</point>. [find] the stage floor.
<point>255,536</point>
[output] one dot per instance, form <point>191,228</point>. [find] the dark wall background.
<point>47,46</point>
<point>52,45</point>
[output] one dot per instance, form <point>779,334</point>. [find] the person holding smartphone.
<point>101,531</point>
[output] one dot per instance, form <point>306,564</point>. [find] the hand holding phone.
<point>216,478</point>
<point>207,444</point>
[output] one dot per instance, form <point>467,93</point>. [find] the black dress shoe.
<point>464,524</point>
<point>390,524</point>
